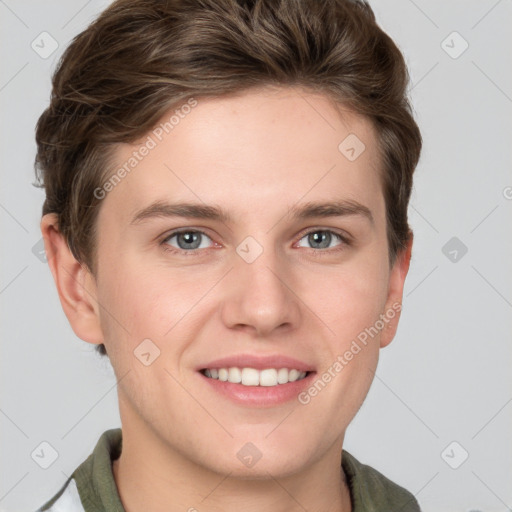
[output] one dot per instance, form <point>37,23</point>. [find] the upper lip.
<point>258,362</point>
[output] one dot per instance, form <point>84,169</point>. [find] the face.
<point>249,243</point>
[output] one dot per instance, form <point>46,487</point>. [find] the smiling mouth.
<point>252,377</point>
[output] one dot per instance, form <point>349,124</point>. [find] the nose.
<point>259,296</point>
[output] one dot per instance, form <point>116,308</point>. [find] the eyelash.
<point>345,241</point>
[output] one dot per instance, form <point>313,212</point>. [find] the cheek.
<point>352,297</point>
<point>147,302</point>
<point>127,302</point>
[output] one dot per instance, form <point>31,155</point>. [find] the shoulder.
<point>372,491</point>
<point>91,487</point>
<point>66,500</point>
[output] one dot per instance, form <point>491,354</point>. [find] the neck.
<point>150,475</point>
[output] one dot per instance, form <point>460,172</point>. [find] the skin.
<point>256,154</point>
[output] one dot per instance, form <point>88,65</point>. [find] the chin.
<point>278,467</point>
<point>259,459</point>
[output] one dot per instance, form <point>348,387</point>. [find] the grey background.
<point>446,377</point>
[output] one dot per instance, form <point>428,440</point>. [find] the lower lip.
<point>259,396</point>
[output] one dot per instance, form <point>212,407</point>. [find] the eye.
<point>189,240</point>
<point>186,240</point>
<point>323,239</point>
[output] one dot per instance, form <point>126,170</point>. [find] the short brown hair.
<point>139,58</point>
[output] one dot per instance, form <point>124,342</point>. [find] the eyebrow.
<point>159,209</point>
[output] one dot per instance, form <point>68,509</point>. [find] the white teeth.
<point>235,375</point>
<point>293,375</point>
<point>252,377</point>
<point>268,377</point>
<point>282,376</point>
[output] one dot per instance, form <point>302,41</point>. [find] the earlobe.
<point>75,285</point>
<point>393,306</point>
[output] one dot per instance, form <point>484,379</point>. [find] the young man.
<point>227,185</point>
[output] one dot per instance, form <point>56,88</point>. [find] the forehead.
<point>253,152</point>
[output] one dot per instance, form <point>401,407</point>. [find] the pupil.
<point>320,237</point>
<point>190,240</point>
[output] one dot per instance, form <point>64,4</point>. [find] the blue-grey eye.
<point>187,240</point>
<point>321,239</point>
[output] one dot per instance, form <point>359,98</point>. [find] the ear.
<point>393,306</point>
<point>75,284</point>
